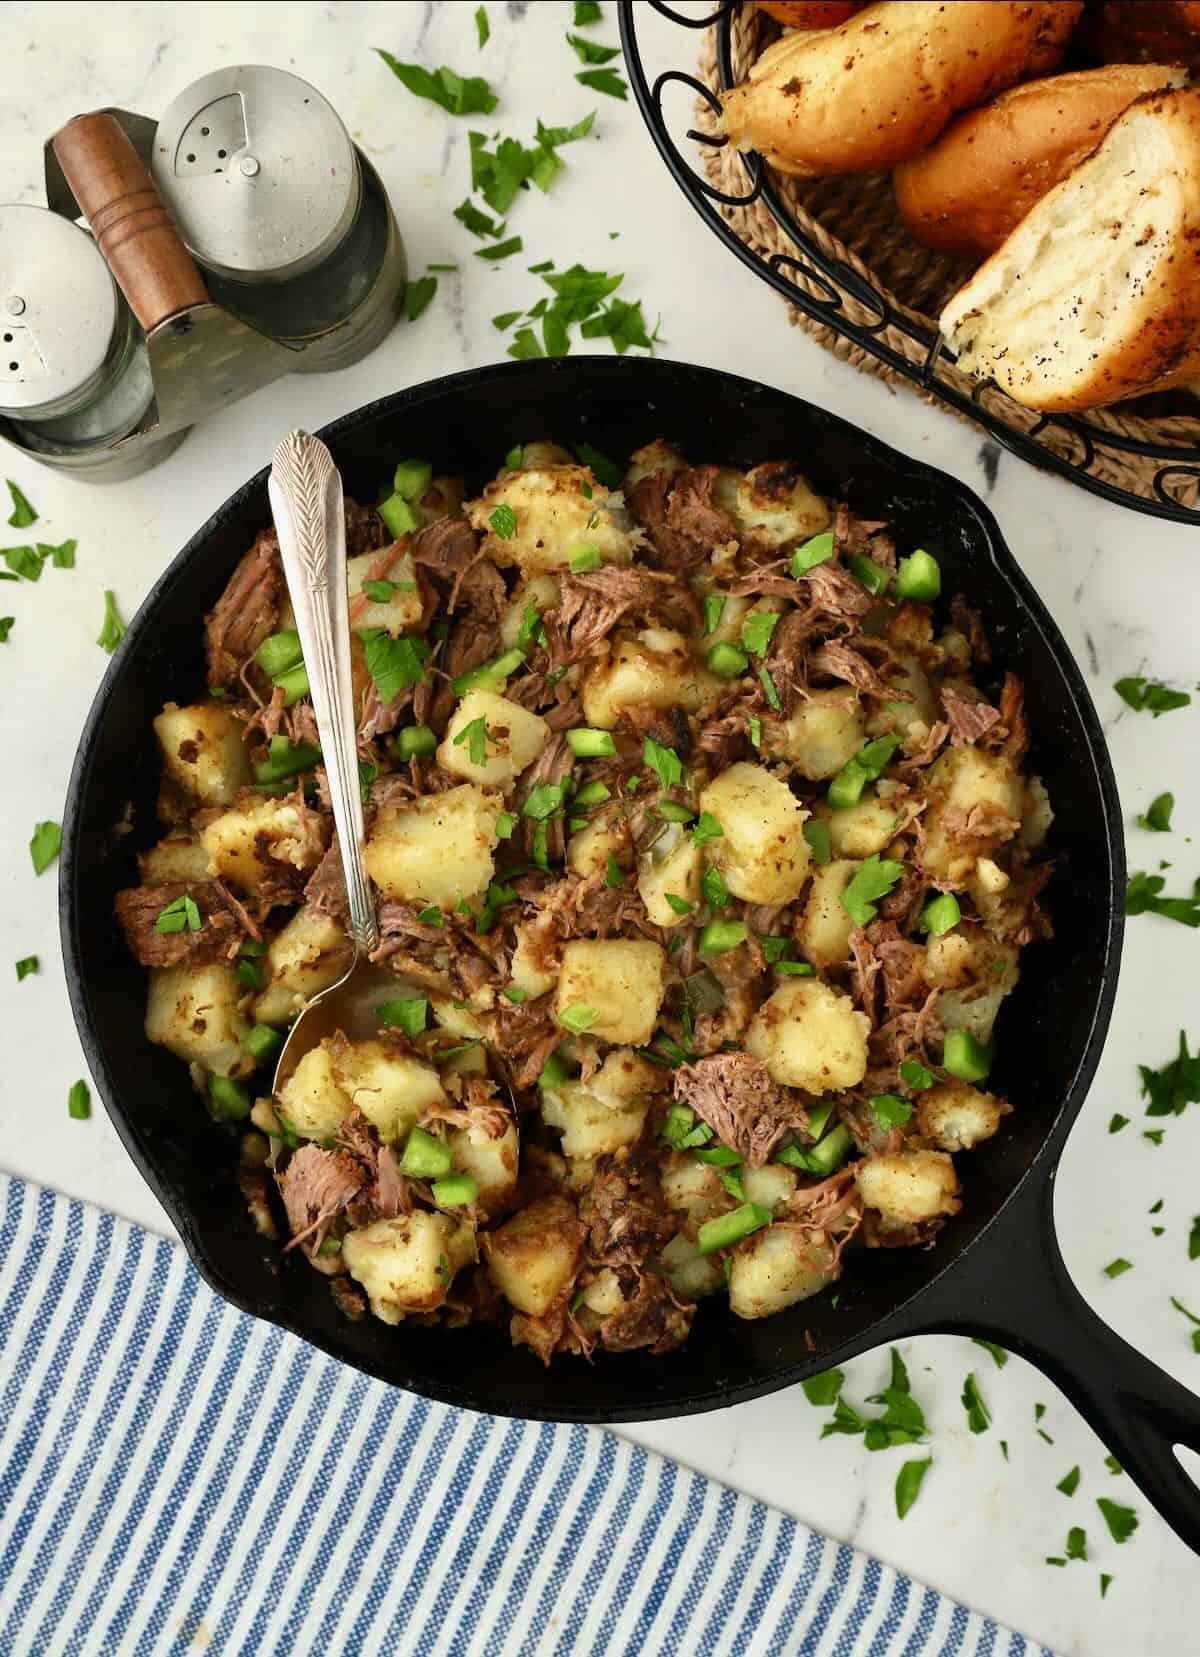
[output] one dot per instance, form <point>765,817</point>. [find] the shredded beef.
<point>1012,719</point>
<point>316,1186</point>
<point>652,1318</point>
<point>594,601</point>
<point>138,908</point>
<point>624,1210</point>
<point>836,594</point>
<point>839,661</point>
<point>246,612</point>
<point>472,642</point>
<point>326,889</point>
<point>970,624</point>
<point>447,546</point>
<point>969,719</point>
<point>733,1093</point>
<point>365,529</point>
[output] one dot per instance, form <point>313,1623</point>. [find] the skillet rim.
<point>1035,1180</point>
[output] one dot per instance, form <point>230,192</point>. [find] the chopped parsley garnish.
<point>587,11</point>
<point>770,692</point>
<point>719,937</point>
<point>551,138</point>
<point>543,800</point>
<point>908,1484</point>
<point>483,28</point>
<point>902,1420</point>
<point>533,628</point>
<point>681,1129</point>
<point>417,296</point>
<point>874,878</point>
<point>24,562</point>
<point>757,630</point>
<point>1118,1267</point>
<point>407,1014</point>
<point>431,916</point>
<point>584,557</point>
<point>503,321</point>
<point>504,522</point>
<point>712,885</point>
<point>1142,898</point>
<point>6,627</point>
<point>44,846</point>
<point>1069,1483</point>
<point>999,1355</point>
<point>27,965</point>
<point>705,828</point>
<point>380,592</point>
<point>500,250</point>
<point>22,514</point>
<point>664,761</point>
<point>588,51</point>
<point>714,609</point>
<point>79,1099</point>
<point>1111,1462</point>
<point>603,80</point>
<point>613,874</point>
<point>478,223</point>
<point>368,772</point>
<point>458,94</point>
<point>505,824</point>
<point>915,1075</point>
<point>1157,816</point>
<point>184,912</point>
<point>1174,1087</point>
<point>816,833</point>
<point>1154,698</point>
<point>823,1389</point>
<point>1121,1521</point>
<point>515,995</point>
<point>754,726</point>
<point>61,556</point>
<point>978,1418</point>
<point>393,663</point>
<point>475,737</point>
<point>890,1110</point>
<point>1195,1322</point>
<point>1105,1580</point>
<point>1194,1240</point>
<point>1076,1542</point>
<point>680,905</point>
<point>1116,1122</point>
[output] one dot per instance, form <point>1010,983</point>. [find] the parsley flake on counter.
<point>908,1484</point>
<point>978,1418</point>
<point>1195,1322</point>
<point>482,27</point>
<point>501,250</point>
<point>1142,898</point>
<point>113,629</point>
<point>1077,1543</point>
<point>589,51</point>
<point>603,80</point>
<point>79,1099</point>
<point>1116,1122</point>
<point>1105,1580</point>
<point>44,846</point>
<point>1069,1483</point>
<point>823,1389</point>
<point>62,556</point>
<point>874,878</point>
<point>999,1355</point>
<point>458,94</point>
<point>6,627</point>
<point>24,562</point>
<point>1118,1267</point>
<point>27,965</point>
<point>587,11</point>
<point>417,296</point>
<point>478,222</point>
<point>1194,1240</point>
<point>1113,1465</point>
<point>1157,817</point>
<point>1121,1521</point>
<point>1154,698</point>
<point>1174,1087</point>
<point>22,514</point>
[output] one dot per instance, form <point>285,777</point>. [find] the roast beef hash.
<point>704,853</point>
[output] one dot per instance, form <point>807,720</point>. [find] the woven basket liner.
<point>854,218</point>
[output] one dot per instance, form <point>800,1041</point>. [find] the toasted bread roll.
<point>863,96</point>
<point>1146,31</point>
<point>1096,295</point>
<point>811,14</point>
<point>971,189</point>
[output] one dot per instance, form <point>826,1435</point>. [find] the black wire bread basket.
<point>837,251</point>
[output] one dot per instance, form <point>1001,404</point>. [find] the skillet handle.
<point>1015,1290</point>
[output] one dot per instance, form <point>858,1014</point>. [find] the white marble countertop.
<point>1123,588</point>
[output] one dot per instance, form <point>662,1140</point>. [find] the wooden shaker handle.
<point>133,229</point>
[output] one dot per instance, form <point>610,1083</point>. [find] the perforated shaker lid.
<point>258,173</point>
<point>58,312</point>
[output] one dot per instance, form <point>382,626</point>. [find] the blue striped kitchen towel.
<point>176,1476</point>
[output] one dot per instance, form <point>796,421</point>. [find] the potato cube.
<point>407,1264</point>
<point>969,786</point>
<point>492,1163</point>
<point>673,864</point>
<point>910,719</point>
<point>532,1258</point>
<point>762,852</point>
<point>908,1187</point>
<point>769,1186</point>
<point>772,504</point>
<point>513,738</point>
<point>540,591</point>
<point>553,517</point>
<point>531,969</point>
<point>259,841</point>
<point>651,458</point>
<point>690,1273</point>
<point>695,1188</point>
<point>957,1116</point>
<point>194,1013</point>
<point>825,926</point>
<point>178,857</point>
<point>620,980</point>
<point>776,1268</point>
<point>436,850</point>
<point>589,848</point>
<point>311,952</point>
<point>204,751</point>
<point>654,670</point>
<point>821,736</point>
<point>391,1088</point>
<point>863,829</point>
<point>810,1035</point>
<point>591,1127</point>
<point>313,1099</point>
<point>402,611</point>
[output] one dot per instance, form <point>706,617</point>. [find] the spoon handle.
<point>306,500</point>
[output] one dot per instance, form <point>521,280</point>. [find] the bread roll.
<point>1147,31</point>
<point>969,190</point>
<point>863,96</point>
<point>1096,295</point>
<point>810,14</point>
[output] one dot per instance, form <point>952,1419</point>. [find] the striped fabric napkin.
<point>178,1477</point>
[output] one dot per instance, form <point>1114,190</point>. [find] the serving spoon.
<point>305,491</point>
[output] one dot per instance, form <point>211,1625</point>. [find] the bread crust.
<point>810,14</point>
<point>1095,297</point>
<point>973,186</point>
<point>884,84</point>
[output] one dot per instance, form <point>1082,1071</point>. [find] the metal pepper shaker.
<point>285,216</point>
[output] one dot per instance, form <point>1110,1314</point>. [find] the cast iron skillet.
<point>996,1270</point>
